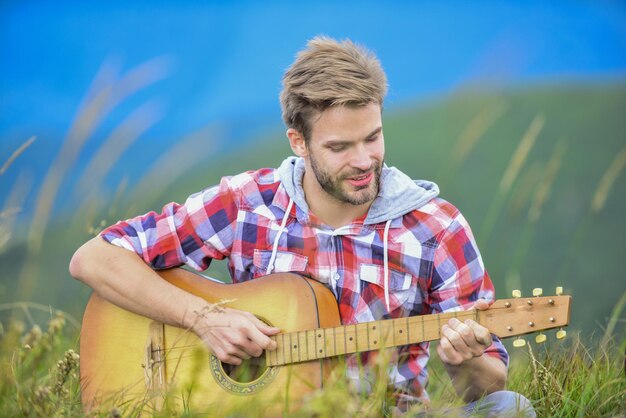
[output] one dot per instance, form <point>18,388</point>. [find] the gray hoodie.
<point>398,194</point>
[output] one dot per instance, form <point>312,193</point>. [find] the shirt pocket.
<point>399,283</point>
<point>283,263</point>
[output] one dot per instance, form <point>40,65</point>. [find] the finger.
<point>227,345</point>
<point>260,339</point>
<point>464,331</point>
<point>482,334</point>
<point>447,353</point>
<point>481,305</point>
<point>246,345</point>
<point>235,361</point>
<point>225,357</point>
<point>240,352</point>
<point>455,339</point>
<point>263,327</point>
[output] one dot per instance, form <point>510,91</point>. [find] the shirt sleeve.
<point>459,277</point>
<point>194,233</point>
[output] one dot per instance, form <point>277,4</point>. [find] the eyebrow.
<point>342,142</point>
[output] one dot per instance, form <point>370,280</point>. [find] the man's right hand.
<point>233,335</point>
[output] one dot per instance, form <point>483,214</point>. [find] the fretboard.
<point>299,346</point>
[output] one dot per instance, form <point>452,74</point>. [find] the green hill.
<point>539,232</point>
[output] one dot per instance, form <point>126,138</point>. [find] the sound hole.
<point>248,371</point>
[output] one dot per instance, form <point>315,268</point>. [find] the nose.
<point>361,158</point>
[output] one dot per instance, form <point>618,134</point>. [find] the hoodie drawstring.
<point>386,262</point>
<point>270,265</point>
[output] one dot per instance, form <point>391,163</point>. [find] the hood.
<point>398,193</point>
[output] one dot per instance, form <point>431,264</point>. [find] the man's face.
<point>346,152</point>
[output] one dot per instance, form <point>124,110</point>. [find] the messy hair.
<point>330,73</point>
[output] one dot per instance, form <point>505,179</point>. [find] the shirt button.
<point>337,276</point>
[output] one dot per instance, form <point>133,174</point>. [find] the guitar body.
<point>130,361</point>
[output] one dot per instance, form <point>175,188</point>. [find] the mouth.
<point>361,181</point>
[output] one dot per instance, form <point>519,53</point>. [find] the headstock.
<point>525,315</point>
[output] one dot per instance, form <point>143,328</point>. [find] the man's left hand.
<point>463,341</point>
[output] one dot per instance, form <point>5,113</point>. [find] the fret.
<point>340,335</point>
<point>367,334</point>
<point>293,347</point>
<point>401,331</point>
<point>326,345</point>
<point>439,325</point>
<point>284,360</point>
<point>302,343</point>
<point>277,350</point>
<point>362,343</point>
<point>387,336</point>
<point>433,330</point>
<point>408,331</point>
<point>312,342</point>
<point>270,354</point>
<point>319,347</point>
<point>352,343</point>
<point>297,345</point>
<point>423,330</point>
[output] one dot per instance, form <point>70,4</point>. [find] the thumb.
<point>481,305</point>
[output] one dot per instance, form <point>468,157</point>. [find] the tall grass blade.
<point>16,154</point>
<point>476,129</point>
<point>105,93</point>
<point>604,187</point>
<point>540,197</point>
<point>172,164</point>
<point>613,321</point>
<point>13,206</point>
<point>517,161</point>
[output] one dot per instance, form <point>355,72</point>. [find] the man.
<point>385,245</point>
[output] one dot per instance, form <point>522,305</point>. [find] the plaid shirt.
<point>434,263</point>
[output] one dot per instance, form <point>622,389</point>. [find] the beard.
<point>344,192</point>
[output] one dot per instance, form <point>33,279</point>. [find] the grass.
<point>578,379</point>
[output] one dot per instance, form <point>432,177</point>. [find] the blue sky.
<point>224,60</point>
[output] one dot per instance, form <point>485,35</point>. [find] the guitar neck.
<point>504,318</point>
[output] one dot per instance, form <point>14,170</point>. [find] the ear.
<point>296,140</point>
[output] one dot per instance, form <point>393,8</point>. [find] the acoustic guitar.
<point>130,361</point>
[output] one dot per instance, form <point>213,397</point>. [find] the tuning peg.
<point>519,342</point>
<point>516,293</point>
<point>541,338</point>
<point>559,290</point>
<point>560,334</point>
<point>537,291</point>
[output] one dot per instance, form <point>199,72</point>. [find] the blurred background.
<point>516,109</point>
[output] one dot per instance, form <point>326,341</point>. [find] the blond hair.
<point>330,73</point>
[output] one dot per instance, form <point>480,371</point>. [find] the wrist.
<point>196,313</point>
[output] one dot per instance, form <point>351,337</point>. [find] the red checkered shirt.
<point>434,263</point>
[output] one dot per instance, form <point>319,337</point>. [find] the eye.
<point>337,148</point>
<point>372,138</point>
